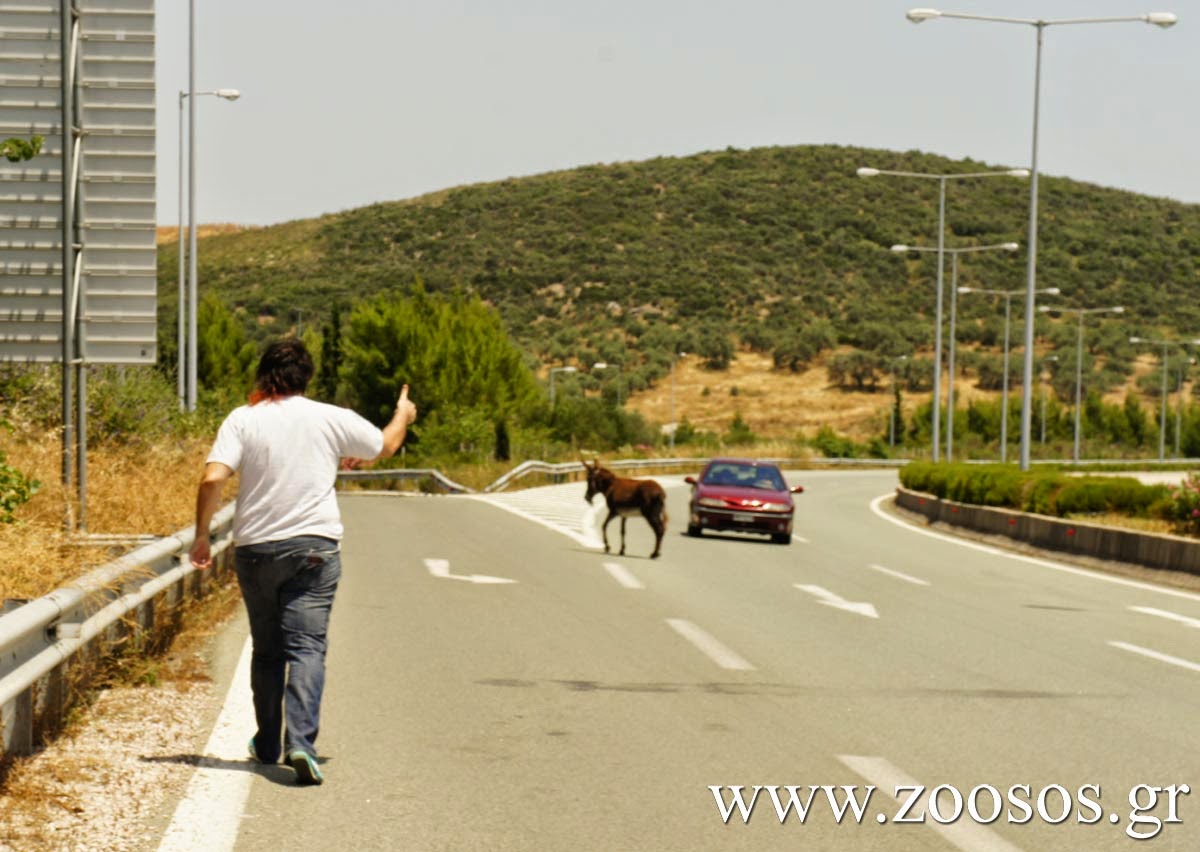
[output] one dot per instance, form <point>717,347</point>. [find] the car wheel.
<point>694,530</point>
<point>781,538</point>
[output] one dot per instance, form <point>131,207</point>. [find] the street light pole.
<point>892,407</point>
<point>1008,296</point>
<point>1044,361</point>
<point>867,172</point>
<point>1179,403</point>
<point>674,360</point>
<point>954,291</point>
<point>182,383</point>
<point>1082,312</point>
<point>1162,417</point>
<point>1160,19</point>
<point>554,370</point>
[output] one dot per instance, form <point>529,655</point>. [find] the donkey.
<point>628,498</point>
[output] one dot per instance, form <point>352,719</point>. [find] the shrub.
<point>15,487</point>
<point>834,446</point>
<point>1184,504</point>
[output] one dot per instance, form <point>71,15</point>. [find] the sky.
<point>353,102</point>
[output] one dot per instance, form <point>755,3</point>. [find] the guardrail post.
<point>16,718</point>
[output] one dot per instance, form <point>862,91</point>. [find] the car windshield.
<point>744,476</point>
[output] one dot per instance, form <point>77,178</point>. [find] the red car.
<point>742,495</point>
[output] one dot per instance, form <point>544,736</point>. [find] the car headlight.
<point>715,502</point>
<point>775,507</point>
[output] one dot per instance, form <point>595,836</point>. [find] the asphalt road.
<point>591,702</point>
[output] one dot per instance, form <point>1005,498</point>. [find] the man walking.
<point>287,530</point>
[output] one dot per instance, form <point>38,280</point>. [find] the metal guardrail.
<point>41,641</point>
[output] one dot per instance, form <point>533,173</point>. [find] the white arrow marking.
<point>891,572</point>
<point>1155,655</point>
<point>441,568</point>
<point>1162,613</point>
<point>830,599</point>
<point>622,576</point>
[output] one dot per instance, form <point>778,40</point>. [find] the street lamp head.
<point>1045,309</point>
<point>966,289</point>
<point>1022,173</point>
<point>228,94</point>
<point>1053,291</point>
<point>920,15</point>
<point>867,171</point>
<point>899,248</point>
<point>1010,246</point>
<point>1135,340</point>
<point>1162,19</point>
<point>1119,309</point>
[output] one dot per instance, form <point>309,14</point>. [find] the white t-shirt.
<point>287,453</point>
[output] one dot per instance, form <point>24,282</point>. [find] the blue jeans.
<point>288,587</point>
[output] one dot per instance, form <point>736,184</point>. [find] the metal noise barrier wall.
<point>48,646</point>
<point>1167,552</point>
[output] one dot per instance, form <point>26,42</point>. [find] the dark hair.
<point>284,370</point>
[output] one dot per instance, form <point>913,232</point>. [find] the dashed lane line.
<point>916,581</point>
<point>888,779</point>
<point>623,576</point>
<point>709,646</point>
<point>1157,655</point>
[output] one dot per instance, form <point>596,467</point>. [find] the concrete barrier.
<point>1151,550</point>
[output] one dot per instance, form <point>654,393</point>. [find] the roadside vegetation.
<point>1053,491</point>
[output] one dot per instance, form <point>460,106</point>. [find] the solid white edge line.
<point>709,646</point>
<point>208,817</point>
<point>891,572</point>
<point>1032,560</point>
<point>887,778</point>
<point>1156,655</point>
<point>1171,616</point>
<point>622,576</point>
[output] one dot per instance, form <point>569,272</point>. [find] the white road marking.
<point>547,507</point>
<point>1155,655</point>
<point>891,572</point>
<point>441,568</point>
<point>207,818</point>
<point>709,646</point>
<point>1173,616</point>
<point>962,834</point>
<point>830,599</point>
<point>1044,563</point>
<point>622,576</point>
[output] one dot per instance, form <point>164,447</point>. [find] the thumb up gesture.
<point>405,410</point>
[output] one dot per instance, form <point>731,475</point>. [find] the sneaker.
<point>307,771</point>
<point>254,752</point>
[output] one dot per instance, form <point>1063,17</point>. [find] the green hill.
<point>783,250</point>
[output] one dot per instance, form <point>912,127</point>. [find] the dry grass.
<point>776,404</point>
<point>170,233</point>
<point>132,490</point>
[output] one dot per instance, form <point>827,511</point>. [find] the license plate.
<point>742,518</point>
